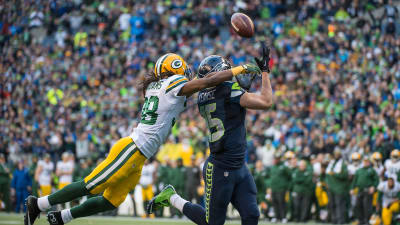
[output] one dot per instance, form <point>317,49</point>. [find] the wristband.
<point>237,70</point>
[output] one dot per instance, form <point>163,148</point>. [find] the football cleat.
<point>32,210</point>
<point>54,218</point>
<point>161,200</point>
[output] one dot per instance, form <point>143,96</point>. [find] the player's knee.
<point>115,200</point>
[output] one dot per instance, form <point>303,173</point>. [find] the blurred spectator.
<point>337,181</point>
<point>32,170</point>
<point>279,182</point>
<point>82,146</point>
<point>43,175</point>
<point>4,183</point>
<point>302,191</point>
<point>82,170</point>
<point>146,182</point>
<point>260,174</point>
<point>192,180</point>
<point>64,171</point>
<point>21,186</point>
<point>364,185</point>
<point>176,177</point>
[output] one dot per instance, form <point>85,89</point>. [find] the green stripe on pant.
<point>209,173</point>
<point>114,166</point>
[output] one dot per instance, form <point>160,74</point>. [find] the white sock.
<point>43,203</point>
<point>66,215</point>
<point>178,202</point>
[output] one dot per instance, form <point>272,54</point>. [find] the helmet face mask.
<point>188,73</point>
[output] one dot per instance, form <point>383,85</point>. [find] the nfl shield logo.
<point>226,174</point>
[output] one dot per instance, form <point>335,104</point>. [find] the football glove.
<point>251,69</point>
<point>248,68</point>
<point>263,62</point>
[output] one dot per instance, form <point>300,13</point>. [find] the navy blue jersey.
<point>220,107</point>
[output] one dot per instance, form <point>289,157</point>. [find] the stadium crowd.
<point>69,73</point>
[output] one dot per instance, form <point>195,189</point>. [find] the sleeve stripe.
<point>176,81</point>
<point>236,93</point>
<point>175,85</point>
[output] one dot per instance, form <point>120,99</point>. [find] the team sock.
<point>66,215</point>
<point>43,203</point>
<point>178,202</point>
<point>68,193</point>
<point>92,206</point>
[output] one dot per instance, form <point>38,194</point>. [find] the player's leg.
<point>61,186</point>
<point>121,183</point>
<point>96,182</point>
<point>218,189</point>
<point>218,194</point>
<point>244,198</point>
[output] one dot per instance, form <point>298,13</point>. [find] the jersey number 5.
<point>149,111</point>
<point>205,111</point>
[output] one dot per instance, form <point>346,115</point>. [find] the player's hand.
<point>251,69</point>
<point>263,62</point>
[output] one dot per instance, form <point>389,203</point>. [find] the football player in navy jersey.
<point>225,173</point>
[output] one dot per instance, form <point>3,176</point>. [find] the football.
<point>242,25</point>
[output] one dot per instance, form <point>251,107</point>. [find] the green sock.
<point>92,206</point>
<point>69,193</point>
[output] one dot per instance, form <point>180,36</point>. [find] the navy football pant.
<point>222,187</point>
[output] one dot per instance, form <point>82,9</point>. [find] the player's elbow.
<point>267,103</point>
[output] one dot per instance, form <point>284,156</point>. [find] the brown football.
<point>242,25</point>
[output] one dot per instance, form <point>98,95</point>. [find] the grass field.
<point>17,219</point>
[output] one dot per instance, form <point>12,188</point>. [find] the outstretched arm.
<point>263,100</point>
<point>216,78</point>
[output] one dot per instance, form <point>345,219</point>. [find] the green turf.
<point>17,219</point>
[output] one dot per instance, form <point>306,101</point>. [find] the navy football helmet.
<point>211,64</point>
<point>214,63</point>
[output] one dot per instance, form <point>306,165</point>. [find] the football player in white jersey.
<point>43,175</point>
<point>392,165</point>
<point>355,163</point>
<point>64,170</point>
<point>389,192</point>
<point>376,159</point>
<point>352,168</point>
<point>166,90</point>
<point>146,182</point>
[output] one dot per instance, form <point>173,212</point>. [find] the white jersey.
<point>65,167</point>
<point>352,168</point>
<point>147,175</point>
<point>379,169</point>
<point>389,195</point>
<point>45,175</point>
<point>392,168</point>
<point>160,111</point>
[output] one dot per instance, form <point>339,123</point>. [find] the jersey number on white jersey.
<point>149,111</point>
